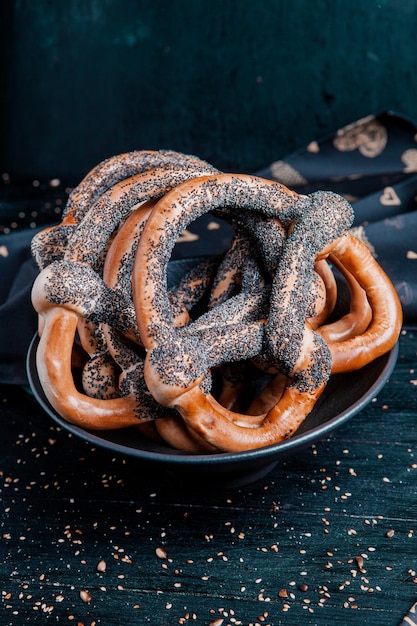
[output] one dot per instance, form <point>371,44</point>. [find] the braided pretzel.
<point>367,340</point>
<point>235,309</point>
<point>186,388</point>
<point>117,275</point>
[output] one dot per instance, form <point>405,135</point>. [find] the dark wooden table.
<point>328,537</point>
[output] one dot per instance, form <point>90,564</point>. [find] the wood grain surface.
<point>328,537</point>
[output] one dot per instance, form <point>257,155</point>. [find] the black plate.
<point>344,396</point>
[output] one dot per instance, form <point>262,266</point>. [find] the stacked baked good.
<point>236,355</point>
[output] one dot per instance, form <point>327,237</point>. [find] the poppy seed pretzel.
<point>260,240</point>
<point>184,386</point>
<point>61,283</point>
<point>62,308</point>
<point>52,244</point>
<point>117,275</point>
<point>369,330</point>
<point>238,284</point>
<point>49,244</point>
<point>239,281</point>
<point>115,205</point>
<point>247,305</point>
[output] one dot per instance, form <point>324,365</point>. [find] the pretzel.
<point>367,340</point>
<point>49,244</point>
<point>58,287</point>
<point>234,270</point>
<point>385,311</point>
<point>166,426</point>
<point>171,429</point>
<point>187,388</point>
<point>54,362</point>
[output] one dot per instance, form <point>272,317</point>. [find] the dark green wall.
<point>240,83</point>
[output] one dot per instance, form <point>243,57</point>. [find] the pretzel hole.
<point>212,230</point>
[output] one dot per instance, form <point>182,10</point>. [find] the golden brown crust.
<point>382,332</point>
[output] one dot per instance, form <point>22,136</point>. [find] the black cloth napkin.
<point>371,162</point>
